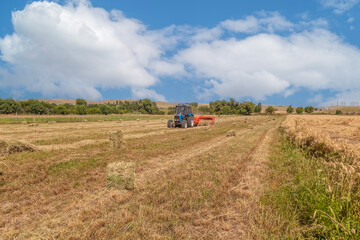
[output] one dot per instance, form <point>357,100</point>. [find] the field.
<point>193,183</point>
<point>334,133</point>
<point>279,177</point>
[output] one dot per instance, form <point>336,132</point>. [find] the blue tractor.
<point>183,118</point>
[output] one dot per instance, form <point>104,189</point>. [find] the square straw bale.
<point>121,175</point>
<point>117,140</point>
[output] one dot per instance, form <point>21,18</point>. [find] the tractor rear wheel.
<point>184,124</point>
<point>191,121</point>
<point>170,123</point>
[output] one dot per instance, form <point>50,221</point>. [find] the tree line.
<point>143,106</point>
<point>300,110</point>
<point>233,107</point>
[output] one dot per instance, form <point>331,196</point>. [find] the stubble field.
<point>189,183</point>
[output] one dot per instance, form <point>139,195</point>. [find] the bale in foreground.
<point>121,175</point>
<point>116,140</point>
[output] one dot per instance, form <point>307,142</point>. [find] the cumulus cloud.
<point>264,21</point>
<point>266,64</point>
<point>74,50</point>
<point>140,93</point>
<point>339,6</point>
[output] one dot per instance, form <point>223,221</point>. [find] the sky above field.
<point>274,52</point>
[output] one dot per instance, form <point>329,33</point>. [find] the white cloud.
<point>265,64</point>
<point>74,50</point>
<point>139,93</point>
<point>264,21</point>
<point>318,98</point>
<point>350,20</point>
<point>340,6</point>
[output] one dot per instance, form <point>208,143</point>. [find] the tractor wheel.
<point>191,122</point>
<point>184,124</point>
<point>170,123</point>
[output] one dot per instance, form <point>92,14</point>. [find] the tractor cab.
<point>183,109</point>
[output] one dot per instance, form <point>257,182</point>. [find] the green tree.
<point>81,101</point>
<point>34,107</point>
<point>270,110</point>
<point>338,112</point>
<point>258,108</point>
<point>105,109</point>
<point>9,106</point>
<point>60,109</point>
<point>299,110</point>
<point>247,107</point>
<point>290,109</point>
<point>309,109</point>
<point>81,109</point>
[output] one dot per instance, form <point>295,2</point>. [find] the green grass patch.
<point>316,199</point>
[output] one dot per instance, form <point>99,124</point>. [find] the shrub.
<point>81,101</point>
<point>258,108</point>
<point>299,110</point>
<point>338,112</point>
<point>309,109</point>
<point>290,109</point>
<point>270,110</point>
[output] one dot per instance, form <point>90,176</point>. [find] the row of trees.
<point>300,110</point>
<point>232,107</point>
<point>144,106</point>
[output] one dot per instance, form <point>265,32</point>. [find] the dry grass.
<point>231,133</point>
<point>15,147</point>
<point>326,134</point>
<point>187,181</point>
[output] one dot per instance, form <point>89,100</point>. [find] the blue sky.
<point>274,52</point>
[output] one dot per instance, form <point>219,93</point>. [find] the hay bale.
<point>138,120</point>
<point>231,133</point>
<point>7,148</point>
<point>119,121</point>
<point>51,122</point>
<point>24,122</point>
<point>117,140</point>
<point>85,120</point>
<point>33,125</point>
<point>121,175</point>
